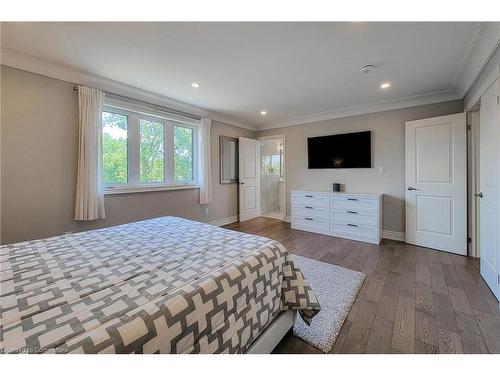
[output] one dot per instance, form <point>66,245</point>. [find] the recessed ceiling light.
<point>195,85</point>
<point>263,113</point>
<point>385,85</point>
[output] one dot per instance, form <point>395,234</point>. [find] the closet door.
<point>489,195</point>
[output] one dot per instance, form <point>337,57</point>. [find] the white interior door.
<point>489,177</point>
<point>436,213</point>
<point>249,159</point>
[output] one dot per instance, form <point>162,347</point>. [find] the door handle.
<point>412,188</point>
<point>480,195</point>
<point>242,183</point>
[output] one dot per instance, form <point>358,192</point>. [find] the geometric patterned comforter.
<point>166,285</point>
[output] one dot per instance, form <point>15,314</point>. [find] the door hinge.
<point>469,239</point>
<point>469,127</point>
<point>498,99</point>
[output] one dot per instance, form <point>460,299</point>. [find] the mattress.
<point>166,285</point>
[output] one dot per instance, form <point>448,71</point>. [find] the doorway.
<point>272,177</point>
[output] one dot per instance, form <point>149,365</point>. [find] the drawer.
<point>313,211</point>
<point>355,216</point>
<point>360,230</point>
<point>311,224</point>
<point>354,203</point>
<point>310,199</point>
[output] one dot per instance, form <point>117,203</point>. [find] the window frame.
<point>134,114</point>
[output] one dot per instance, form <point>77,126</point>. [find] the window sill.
<point>145,189</point>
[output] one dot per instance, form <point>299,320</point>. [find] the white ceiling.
<point>292,70</point>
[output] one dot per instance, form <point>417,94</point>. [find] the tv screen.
<point>351,150</point>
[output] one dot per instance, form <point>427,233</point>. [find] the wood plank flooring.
<point>414,300</point>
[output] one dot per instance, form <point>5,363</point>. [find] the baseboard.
<point>392,235</point>
<point>288,219</point>
<point>224,221</point>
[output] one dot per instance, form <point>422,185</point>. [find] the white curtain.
<point>89,204</point>
<point>204,161</point>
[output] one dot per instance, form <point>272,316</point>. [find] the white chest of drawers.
<point>347,215</point>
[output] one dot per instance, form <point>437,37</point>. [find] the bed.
<point>165,285</point>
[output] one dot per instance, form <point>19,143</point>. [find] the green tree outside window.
<point>114,144</point>
<point>152,151</point>
<point>183,154</point>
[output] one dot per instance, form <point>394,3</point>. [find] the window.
<point>147,151</point>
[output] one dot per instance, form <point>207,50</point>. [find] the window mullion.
<point>134,150</point>
<point>169,153</point>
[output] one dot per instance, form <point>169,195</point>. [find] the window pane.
<point>152,151</point>
<point>183,154</point>
<point>114,144</point>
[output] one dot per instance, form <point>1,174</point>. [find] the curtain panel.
<point>89,204</point>
<point>204,161</point>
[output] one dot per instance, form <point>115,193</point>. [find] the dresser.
<point>347,215</point>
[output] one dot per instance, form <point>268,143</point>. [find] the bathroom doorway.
<point>272,177</point>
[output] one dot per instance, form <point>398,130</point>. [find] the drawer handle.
<point>308,218</point>
<point>351,212</point>
<point>352,199</point>
<point>309,207</point>
<point>309,196</point>
<point>352,225</point>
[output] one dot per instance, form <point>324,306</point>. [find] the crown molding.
<point>466,57</point>
<point>65,73</point>
<point>412,101</point>
<point>485,41</point>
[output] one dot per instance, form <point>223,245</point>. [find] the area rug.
<point>336,288</point>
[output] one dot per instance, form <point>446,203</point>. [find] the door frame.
<point>473,125</point>
<point>285,200</point>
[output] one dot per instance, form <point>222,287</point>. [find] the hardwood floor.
<point>414,300</point>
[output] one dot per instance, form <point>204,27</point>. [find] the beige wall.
<point>387,151</point>
<point>39,150</point>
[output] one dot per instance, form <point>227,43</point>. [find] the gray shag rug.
<point>336,289</point>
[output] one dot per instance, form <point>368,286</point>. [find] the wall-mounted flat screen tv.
<point>350,150</point>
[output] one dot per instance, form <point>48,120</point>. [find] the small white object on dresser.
<point>347,215</point>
